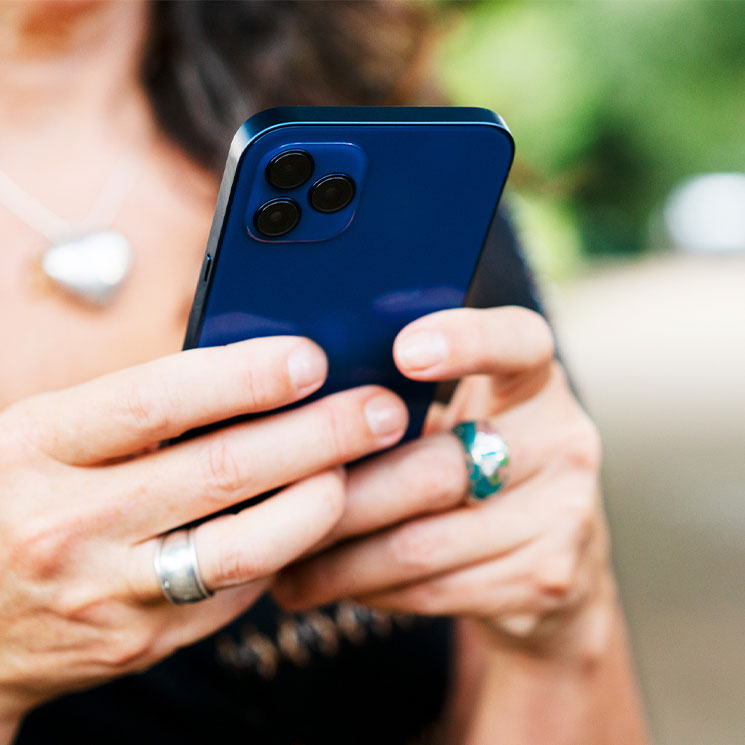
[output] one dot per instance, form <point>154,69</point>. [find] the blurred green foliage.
<point>611,103</point>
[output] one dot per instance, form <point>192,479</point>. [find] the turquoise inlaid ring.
<point>487,457</point>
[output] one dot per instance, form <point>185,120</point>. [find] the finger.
<point>429,475</point>
<point>421,477</point>
<point>253,544</point>
<point>428,546</point>
<point>524,585</point>
<point>466,341</point>
<point>185,624</point>
<point>436,416</point>
<point>205,475</point>
<point>486,589</point>
<point>144,638</point>
<point>129,410</point>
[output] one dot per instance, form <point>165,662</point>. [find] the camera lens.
<point>277,217</point>
<point>290,169</point>
<point>332,193</point>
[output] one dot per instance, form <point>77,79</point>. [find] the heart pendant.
<point>90,267</point>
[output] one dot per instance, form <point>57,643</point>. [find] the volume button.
<point>207,268</point>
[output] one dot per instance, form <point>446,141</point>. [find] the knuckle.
<point>585,525</point>
<point>539,333</point>
<point>555,572</point>
<point>555,580</point>
<point>333,430</point>
<point>437,474</point>
<point>82,603</point>
<point>254,390</point>
<point>579,519</point>
<point>412,548</point>
<point>583,446</point>
<point>333,494</point>
<point>224,474</point>
<point>39,548</point>
<point>147,406</point>
<point>532,331</point>
<point>131,649</point>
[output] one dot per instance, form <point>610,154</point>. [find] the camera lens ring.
<point>290,169</point>
<point>277,217</point>
<point>332,193</point>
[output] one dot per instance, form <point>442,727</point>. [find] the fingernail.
<point>385,415</point>
<point>518,624</point>
<point>307,367</point>
<point>423,349</point>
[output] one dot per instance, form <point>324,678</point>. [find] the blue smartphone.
<point>344,224</point>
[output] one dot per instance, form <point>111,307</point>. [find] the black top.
<point>341,674</point>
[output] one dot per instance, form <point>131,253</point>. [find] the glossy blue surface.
<point>428,183</point>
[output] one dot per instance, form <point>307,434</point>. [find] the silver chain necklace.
<point>87,259</point>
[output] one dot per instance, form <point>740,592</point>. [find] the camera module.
<point>277,217</point>
<point>332,193</point>
<point>289,169</point>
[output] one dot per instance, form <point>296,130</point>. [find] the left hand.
<point>532,561</point>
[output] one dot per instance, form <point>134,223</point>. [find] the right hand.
<point>84,495</point>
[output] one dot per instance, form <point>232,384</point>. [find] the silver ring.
<point>177,568</point>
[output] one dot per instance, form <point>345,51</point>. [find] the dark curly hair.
<point>210,64</point>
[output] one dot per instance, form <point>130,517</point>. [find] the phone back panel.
<point>427,191</point>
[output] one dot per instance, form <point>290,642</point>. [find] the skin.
<point>70,99</point>
<point>84,493</point>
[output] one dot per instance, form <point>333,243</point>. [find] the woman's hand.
<point>84,493</point>
<point>532,560</point>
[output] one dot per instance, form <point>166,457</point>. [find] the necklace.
<point>87,259</point>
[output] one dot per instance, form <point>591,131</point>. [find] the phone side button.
<point>207,268</point>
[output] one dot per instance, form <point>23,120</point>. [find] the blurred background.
<point>629,192</point>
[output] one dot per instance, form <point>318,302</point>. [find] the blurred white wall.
<point>657,348</point>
